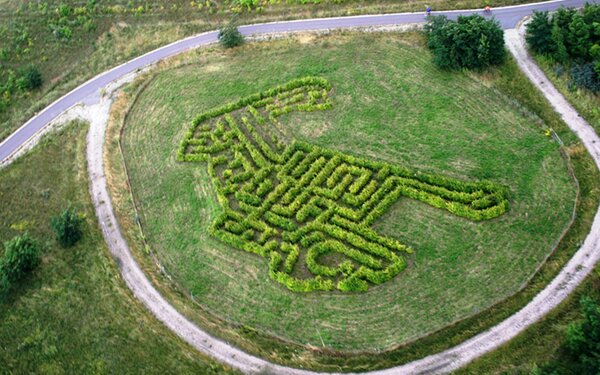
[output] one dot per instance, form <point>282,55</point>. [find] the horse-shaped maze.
<point>308,209</point>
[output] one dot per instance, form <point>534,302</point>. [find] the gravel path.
<point>573,273</point>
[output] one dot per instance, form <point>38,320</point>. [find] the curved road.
<point>88,93</point>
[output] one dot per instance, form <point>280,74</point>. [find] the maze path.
<point>308,209</point>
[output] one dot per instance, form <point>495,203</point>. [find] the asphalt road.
<point>89,91</point>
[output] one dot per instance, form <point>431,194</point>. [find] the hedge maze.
<point>310,210</point>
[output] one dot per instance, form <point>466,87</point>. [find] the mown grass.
<point>74,315</point>
<point>389,103</point>
<point>126,33</point>
<point>541,343</point>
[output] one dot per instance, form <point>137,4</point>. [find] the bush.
<point>583,338</point>
<point>470,42</point>
<point>585,76</point>
<point>21,256</point>
<point>230,36</point>
<point>30,78</point>
<point>571,38</point>
<point>67,227</point>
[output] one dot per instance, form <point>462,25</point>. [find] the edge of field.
<point>281,351</point>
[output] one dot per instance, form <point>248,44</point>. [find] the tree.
<point>591,14</point>
<point>67,227</point>
<point>539,33</point>
<point>21,256</point>
<point>470,42</point>
<point>583,338</point>
<point>229,36</point>
<point>561,20</point>
<point>578,37</point>
<point>437,41</point>
<point>595,53</point>
<point>560,52</point>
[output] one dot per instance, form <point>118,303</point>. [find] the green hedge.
<point>297,202</point>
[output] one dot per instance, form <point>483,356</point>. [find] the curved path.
<point>573,273</point>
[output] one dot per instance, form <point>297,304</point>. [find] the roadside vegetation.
<point>470,42</point>
<point>565,341</point>
<point>214,68</point>
<point>68,42</point>
<point>566,69</point>
<point>571,39</point>
<point>68,310</point>
<point>229,36</point>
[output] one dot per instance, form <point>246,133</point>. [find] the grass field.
<point>74,315</point>
<point>384,88</point>
<point>541,343</point>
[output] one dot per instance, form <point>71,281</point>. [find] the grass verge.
<point>586,103</point>
<point>74,314</point>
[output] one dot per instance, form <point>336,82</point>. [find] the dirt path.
<point>568,279</point>
<point>571,275</point>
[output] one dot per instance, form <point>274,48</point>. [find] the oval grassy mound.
<point>389,104</point>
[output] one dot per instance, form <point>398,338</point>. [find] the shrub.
<point>229,36</point>
<point>585,76</point>
<point>470,42</point>
<point>583,338</point>
<point>21,256</point>
<point>67,227</point>
<point>30,78</point>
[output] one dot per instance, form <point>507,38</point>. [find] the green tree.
<point>578,37</point>
<point>591,14</point>
<point>595,53</point>
<point>539,33</point>
<point>583,339</point>
<point>561,20</point>
<point>470,42</point>
<point>67,227</point>
<point>229,36</point>
<point>21,256</point>
<point>560,50</point>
